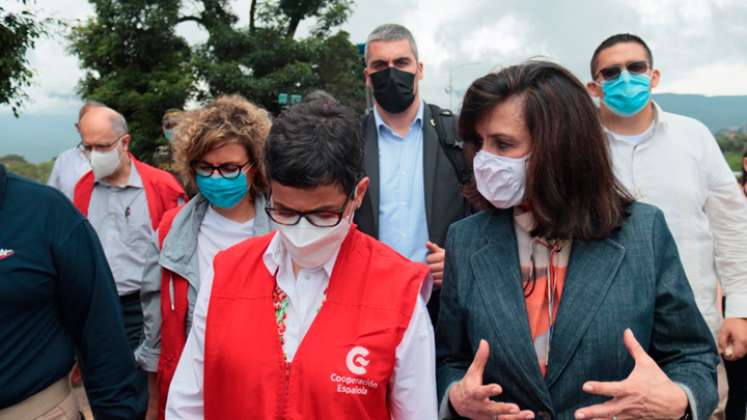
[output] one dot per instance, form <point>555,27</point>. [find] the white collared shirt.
<point>413,384</point>
<point>679,168</point>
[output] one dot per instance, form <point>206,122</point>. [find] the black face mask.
<point>393,89</point>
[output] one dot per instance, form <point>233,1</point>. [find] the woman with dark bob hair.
<point>564,298</point>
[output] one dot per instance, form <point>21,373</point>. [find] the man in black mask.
<point>412,156</point>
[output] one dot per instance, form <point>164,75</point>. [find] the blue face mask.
<point>628,94</point>
<point>221,192</point>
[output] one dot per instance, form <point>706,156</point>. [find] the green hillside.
<point>19,166</point>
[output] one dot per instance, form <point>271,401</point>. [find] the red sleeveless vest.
<point>173,318</point>
<point>343,366</point>
<point>162,191</point>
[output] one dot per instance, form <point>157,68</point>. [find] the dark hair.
<point>619,39</point>
<point>744,172</point>
<point>570,186</point>
<point>316,143</point>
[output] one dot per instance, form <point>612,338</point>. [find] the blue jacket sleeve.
<point>91,314</point>
<point>682,344</point>
<point>453,350</point>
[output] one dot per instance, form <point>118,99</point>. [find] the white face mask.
<point>311,246</point>
<point>105,163</point>
<point>501,180</point>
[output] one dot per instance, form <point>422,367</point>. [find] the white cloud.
<point>507,37</point>
<point>716,79</point>
<point>698,44</point>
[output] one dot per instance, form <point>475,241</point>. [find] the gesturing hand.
<point>647,393</point>
<point>435,261</point>
<point>471,399</point>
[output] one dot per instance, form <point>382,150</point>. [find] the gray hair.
<point>119,124</point>
<point>391,32</point>
<point>319,94</point>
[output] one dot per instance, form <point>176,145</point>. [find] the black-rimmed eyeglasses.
<point>318,218</point>
<point>226,170</point>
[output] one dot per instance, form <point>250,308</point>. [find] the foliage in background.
<point>732,144</point>
<point>135,63</point>
<point>18,35</point>
<point>18,165</point>
<point>263,59</point>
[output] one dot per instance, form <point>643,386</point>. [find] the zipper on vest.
<point>283,402</point>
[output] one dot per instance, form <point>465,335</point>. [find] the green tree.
<point>135,63</point>
<point>18,35</point>
<point>264,58</point>
<point>732,145</point>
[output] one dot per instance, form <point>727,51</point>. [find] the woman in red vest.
<point>317,320</point>
<point>218,150</point>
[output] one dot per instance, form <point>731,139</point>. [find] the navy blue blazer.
<point>633,279</point>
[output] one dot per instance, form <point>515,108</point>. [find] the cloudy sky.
<point>700,46</point>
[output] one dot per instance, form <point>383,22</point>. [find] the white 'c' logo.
<point>356,360</point>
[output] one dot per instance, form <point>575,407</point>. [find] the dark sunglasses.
<point>613,72</point>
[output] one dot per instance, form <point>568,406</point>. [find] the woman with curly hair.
<point>218,151</point>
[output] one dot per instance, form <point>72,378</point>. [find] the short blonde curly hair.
<point>228,119</point>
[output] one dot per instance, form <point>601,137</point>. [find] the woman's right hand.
<point>471,399</point>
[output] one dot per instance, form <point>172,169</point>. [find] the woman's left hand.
<point>647,393</point>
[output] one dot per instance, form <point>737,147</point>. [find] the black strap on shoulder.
<point>444,121</point>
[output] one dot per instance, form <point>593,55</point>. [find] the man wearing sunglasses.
<point>674,162</point>
<point>317,320</point>
<point>124,199</point>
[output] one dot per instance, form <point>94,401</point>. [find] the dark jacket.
<point>633,279</point>
<point>57,298</point>
<point>444,202</point>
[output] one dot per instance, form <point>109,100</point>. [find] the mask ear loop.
<point>554,250</point>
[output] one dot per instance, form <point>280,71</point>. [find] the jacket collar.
<point>496,270</point>
<point>180,244</point>
<point>592,268</point>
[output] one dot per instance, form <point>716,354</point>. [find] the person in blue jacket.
<point>57,299</point>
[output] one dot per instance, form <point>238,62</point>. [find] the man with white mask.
<point>317,320</point>
<point>124,199</point>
